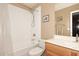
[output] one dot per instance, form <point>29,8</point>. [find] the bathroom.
<point>38,29</point>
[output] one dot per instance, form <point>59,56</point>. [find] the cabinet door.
<point>58,50</point>
<point>74,53</point>
<point>49,53</point>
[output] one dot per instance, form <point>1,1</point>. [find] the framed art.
<point>45,18</point>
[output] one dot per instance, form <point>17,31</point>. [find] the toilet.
<point>37,49</point>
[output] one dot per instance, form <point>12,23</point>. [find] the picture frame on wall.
<point>45,18</point>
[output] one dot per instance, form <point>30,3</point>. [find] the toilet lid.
<point>36,51</point>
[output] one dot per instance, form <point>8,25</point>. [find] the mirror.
<point>75,23</point>
<point>63,20</point>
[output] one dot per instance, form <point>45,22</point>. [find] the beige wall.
<point>47,28</point>
<point>65,13</point>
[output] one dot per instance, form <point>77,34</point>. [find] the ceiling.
<point>57,5</point>
<point>31,5</point>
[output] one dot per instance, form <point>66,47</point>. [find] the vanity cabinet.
<point>55,50</point>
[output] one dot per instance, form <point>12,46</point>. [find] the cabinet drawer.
<point>61,51</point>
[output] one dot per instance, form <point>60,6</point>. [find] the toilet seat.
<point>36,51</point>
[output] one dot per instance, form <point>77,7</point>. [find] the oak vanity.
<point>61,46</point>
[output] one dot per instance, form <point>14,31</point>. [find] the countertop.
<point>71,44</point>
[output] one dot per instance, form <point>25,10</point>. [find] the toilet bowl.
<point>37,51</point>
<point>38,48</point>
